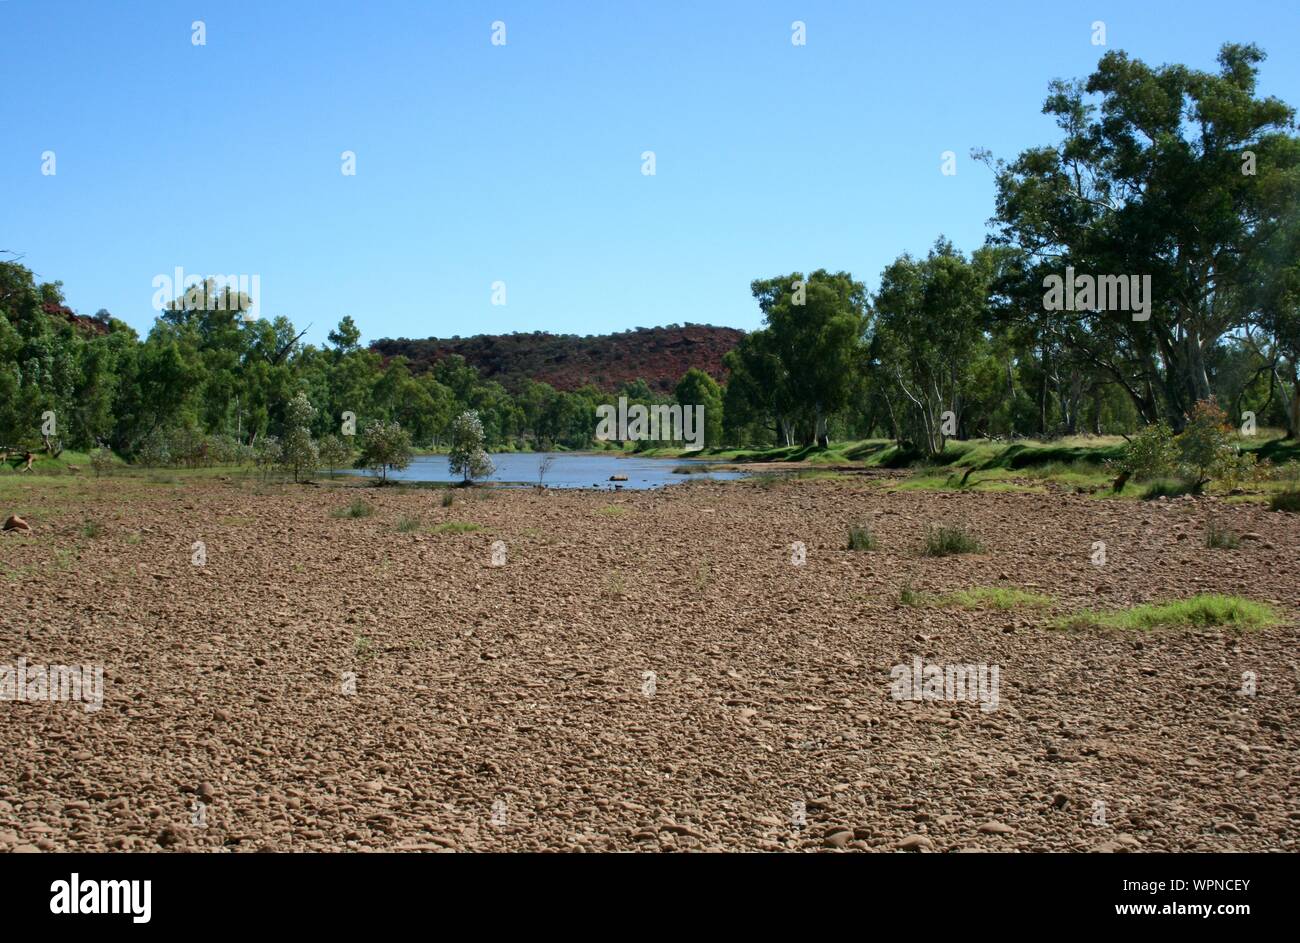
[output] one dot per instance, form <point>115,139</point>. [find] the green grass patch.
<point>1202,611</point>
<point>357,508</point>
<point>946,540</point>
<point>456,527</point>
<point>907,596</point>
<point>611,510</point>
<point>995,597</point>
<point>407,524</point>
<point>1169,488</point>
<point>92,529</point>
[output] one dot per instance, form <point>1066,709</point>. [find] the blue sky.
<point>522,163</point>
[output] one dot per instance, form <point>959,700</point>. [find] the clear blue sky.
<point>522,163</point>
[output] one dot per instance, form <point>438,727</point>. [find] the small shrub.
<point>357,508</point>
<point>1288,501</point>
<point>101,460</point>
<point>947,540</point>
<point>1151,453</point>
<point>407,524</point>
<point>92,529</point>
<point>448,499</point>
<point>910,597</point>
<point>861,538</point>
<point>1220,538</point>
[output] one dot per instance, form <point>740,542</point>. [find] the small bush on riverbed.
<point>861,538</point>
<point>1220,538</point>
<point>947,540</point>
<point>1288,501</point>
<point>910,597</point>
<point>357,508</point>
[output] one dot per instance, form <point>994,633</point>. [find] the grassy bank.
<point>1079,462</point>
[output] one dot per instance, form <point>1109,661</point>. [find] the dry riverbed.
<point>647,671</point>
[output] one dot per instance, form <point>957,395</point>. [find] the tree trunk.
<point>1293,413</point>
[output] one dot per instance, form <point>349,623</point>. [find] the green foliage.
<point>697,388</point>
<point>1218,537</point>
<point>384,445</point>
<point>457,527</point>
<point>996,597</point>
<point>332,452</point>
<point>357,508</point>
<point>803,367</point>
<point>947,540</point>
<point>1151,454</point>
<point>298,453</point>
<point>101,460</point>
<point>861,538</point>
<point>1170,488</point>
<point>909,597</point>
<point>1204,447</point>
<point>1202,452</point>
<point>1148,157</point>
<point>1201,611</point>
<point>1288,501</point>
<point>467,457</point>
<point>267,453</point>
<point>929,315</point>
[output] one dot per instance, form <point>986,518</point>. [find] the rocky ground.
<point>331,683</point>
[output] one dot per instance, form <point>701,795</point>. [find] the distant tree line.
<point>207,387</point>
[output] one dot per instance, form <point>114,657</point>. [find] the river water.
<point>567,470</point>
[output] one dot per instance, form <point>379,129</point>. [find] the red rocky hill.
<point>658,355</point>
